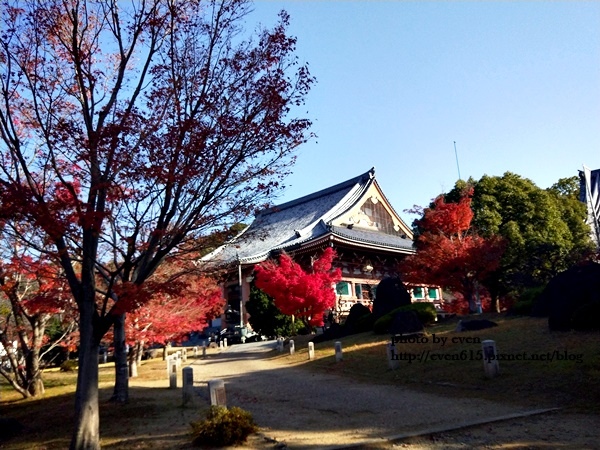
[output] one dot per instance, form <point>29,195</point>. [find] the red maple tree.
<point>306,295</point>
<point>128,129</point>
<point>32,292</point>
<point>450,253</point>
<point>171,317</point>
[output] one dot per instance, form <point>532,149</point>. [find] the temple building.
<point>354,217</point>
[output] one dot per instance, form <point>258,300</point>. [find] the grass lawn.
<point>573,384</point>
<point>571,380</point>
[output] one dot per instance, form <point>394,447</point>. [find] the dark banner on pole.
<point>590,195</point>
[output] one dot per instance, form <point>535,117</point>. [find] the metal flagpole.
<point>457,166</point>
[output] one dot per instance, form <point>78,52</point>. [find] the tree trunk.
<point>13,382</point>
<point>469,296</point>
<point>35,384</point>
<point>121,390</point>
<point>87,419</point>
<point>135,357</point>
<point>495,304</point>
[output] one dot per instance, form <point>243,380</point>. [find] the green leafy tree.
<point>544,229</point>
<point>266,318</point>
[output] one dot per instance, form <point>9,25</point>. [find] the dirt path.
<point>297,409</point>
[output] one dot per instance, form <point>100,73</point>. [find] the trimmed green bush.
<point>365,323</point>
<point>223,426</point>
<point>425,312</point>
<point>524,305</point>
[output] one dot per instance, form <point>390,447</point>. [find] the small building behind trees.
<point>353,217</point>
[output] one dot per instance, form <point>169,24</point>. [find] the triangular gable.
<point>373,212</point>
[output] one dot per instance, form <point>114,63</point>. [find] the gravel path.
<point>297,409</point>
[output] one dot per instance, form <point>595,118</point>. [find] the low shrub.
<point>223,426</point>
<point>365,323</point>
<point>524,305</point>
<point>425,312</point>
<point>70,365</point>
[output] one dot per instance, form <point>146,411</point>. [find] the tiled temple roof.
<point>302,221</point>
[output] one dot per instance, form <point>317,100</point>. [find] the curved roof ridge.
<point>307,198</point>
<point>356,186</point>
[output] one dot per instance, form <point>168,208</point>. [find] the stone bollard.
<point>338,351</point>
<point>292,347</point>
<point>280,344</point>
<point>393,360</point>
<point>216,390</point>
<point>172,370</point>
<point>225,342</point>
<point>221,344</point>
<point>195,351</point>
<point>311,351</point>
<point>204,351</point>
<point>188,385</point>
<point>490,359</point>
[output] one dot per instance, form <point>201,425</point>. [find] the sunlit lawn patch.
<point>570,379</point>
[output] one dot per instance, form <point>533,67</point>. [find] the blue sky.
<point>515,84</point>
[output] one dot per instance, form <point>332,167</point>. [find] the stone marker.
<point>195,351</point>
<point>280,344</point>
<point>311,351</point>
<point>225,342</point>
<point>188,385</point>
<point>393,361</point>
<point>292,347</point>
<point>216,389</point>
<point>490,359</point>
<point>172,368</point>
<point>221,344</point>
<point>338,351</point>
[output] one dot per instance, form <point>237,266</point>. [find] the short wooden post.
<point>392,357</point>
<point>216,389</point>
<point>292,347</point>
<point>491,366</point>
<point>188,385</point>
<point>339,356</point>
<point>311,351</point>
<point>172,369</point>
